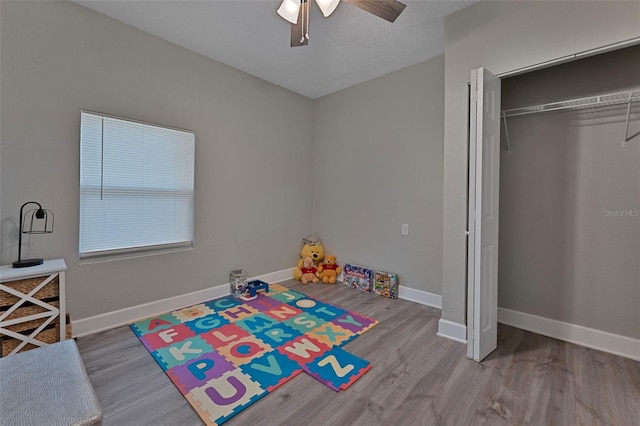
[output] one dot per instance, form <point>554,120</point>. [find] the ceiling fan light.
<point>289,10</point>
<point>327,6</point>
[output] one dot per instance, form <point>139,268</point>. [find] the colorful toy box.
<point>385,284</point>
<point>355,276</point>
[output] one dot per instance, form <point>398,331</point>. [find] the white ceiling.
<point>347,48</point>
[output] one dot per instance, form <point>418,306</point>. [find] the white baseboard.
<point>94,324</point>
<point>420,296</point>
<point>275,277</point>
<point>452,330</point>
<point>572,333</point>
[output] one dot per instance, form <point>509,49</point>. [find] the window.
<point>136,186</point>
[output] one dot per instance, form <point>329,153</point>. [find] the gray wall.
<point>251,210</point>
<point>378,164</point>
<point>504,36</point>
<point>564,252</point>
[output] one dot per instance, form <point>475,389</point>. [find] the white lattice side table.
<point>31,301</point>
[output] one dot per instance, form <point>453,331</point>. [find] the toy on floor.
<point>309,271</point>
<point>330,269</point>
<point>238,282</point>
<point>314,249</point>
<point>255,285</point>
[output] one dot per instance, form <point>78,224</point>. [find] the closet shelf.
<point>611,99</point>
<point>608,100</point>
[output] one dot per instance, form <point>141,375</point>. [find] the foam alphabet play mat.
<point>225,354</point>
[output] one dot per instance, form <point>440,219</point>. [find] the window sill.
<point>132,255</point>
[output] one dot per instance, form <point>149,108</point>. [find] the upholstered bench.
<point>47,386</point>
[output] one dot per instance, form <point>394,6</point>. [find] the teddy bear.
<point>309,271</point>
<point>314,249</point>
<point>330,269</point>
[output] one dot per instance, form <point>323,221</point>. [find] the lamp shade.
<point>327,6</point>
<point>289,10</point>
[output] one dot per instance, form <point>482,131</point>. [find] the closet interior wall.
<point>570,198</point>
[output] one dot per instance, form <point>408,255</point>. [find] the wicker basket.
<point>51,290</point>
<point>50,334</point>
<point>24,311</point>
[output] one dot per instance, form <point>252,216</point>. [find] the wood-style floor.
<point>417,378</point>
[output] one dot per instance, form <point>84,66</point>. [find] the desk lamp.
<point>34,221</point>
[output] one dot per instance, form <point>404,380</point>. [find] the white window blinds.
<point>136,186</point>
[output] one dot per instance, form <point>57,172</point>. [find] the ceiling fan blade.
<point>296,31</point>
<point>386,9</point>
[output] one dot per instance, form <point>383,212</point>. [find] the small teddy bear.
<point>312,248</point>
<point>309,271</point>
<point>330,269</point>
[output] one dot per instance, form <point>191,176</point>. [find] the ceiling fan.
<point>297,12</point>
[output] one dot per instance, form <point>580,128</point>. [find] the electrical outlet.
<point>405,229</point>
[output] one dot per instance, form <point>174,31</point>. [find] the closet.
<point>569,233</point>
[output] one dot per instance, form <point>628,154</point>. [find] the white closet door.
<point>484,180</point>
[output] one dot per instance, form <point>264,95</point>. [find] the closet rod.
<point>609,99</point>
